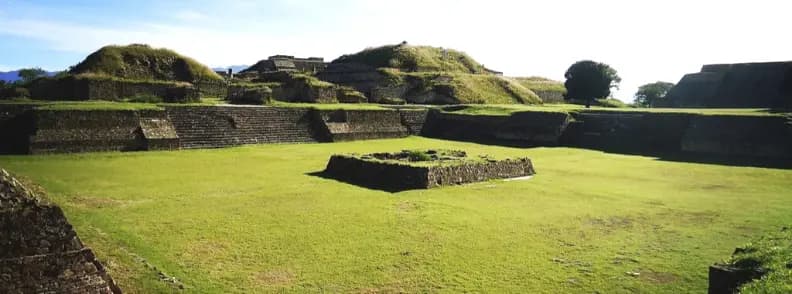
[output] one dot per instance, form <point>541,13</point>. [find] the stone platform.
<point>403,171</point>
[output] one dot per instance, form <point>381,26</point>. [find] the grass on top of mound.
<point>131,104</point>
<point>330,106</point>
<point>471,88</point>
<point>771,253</point>
<point>541,84</point>
<point>415,58</point>
<point>424,157</point>
<point>142,62</point>
<point>97,105</point>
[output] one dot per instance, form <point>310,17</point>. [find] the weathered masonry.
<point>40,252</point>
<point>752,85</point>
<point>25,129</point>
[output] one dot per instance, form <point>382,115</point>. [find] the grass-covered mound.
<point>411,58</point>
<point>142,62</point>
<point>402,73</point>
<point>469,88</point>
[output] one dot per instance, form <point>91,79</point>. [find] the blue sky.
<point>644,41</point>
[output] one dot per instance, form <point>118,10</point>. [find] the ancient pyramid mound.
<point>410,58</point>
<point>142,62</point>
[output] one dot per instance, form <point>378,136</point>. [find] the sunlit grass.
<point>254,219</point>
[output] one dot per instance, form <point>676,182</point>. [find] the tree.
<point>648,95</point>
<point>588,80</point>
<point>29,74</point>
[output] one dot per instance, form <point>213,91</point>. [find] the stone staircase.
<point>414,119</point>
<point>222,126</point>
<point>351,125</point>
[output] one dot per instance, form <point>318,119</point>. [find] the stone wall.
<point>628,132</point>
<point>16,126</point>
<point>40,252</point>
<point>551,97</point>
<point>349,125</point>
<point>413,119</point>
<point>59,131</point>
<point>753,85</point>
<point>379,175</point>
<point>222,126</point>
<point>741,136</point>
<point>391,176</point>
<point>537,128</point>
<point>90,88</point>
<point>475,128</point>
<point>480,171</point>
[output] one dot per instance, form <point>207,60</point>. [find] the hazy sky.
<point>644,41</point>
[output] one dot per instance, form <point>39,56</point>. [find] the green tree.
<point>29,74</point>
<point>589,80</point>
<point>650,94</point>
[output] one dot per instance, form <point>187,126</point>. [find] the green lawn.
<point>252,219</point>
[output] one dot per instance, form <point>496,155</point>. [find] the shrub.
<point>417,155</point>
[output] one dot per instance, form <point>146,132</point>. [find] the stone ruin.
<point>751,85</point>
<point>288,63</point>
<point>422,169</point>
<point>40,251</point>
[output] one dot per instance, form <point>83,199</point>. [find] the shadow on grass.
<point>739,161</point>
<point>673,156</point>
<point>371,186</point>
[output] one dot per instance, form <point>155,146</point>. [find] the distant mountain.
<point>13,76</point>
<point>236,68</point>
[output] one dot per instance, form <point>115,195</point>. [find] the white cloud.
<point>189,15</point>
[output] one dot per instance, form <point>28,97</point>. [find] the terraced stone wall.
<point>550,96</point>
<point>59,131</point>
<point>223,126</point>
<point>349,125</point>
<point>16,126</point>
<point>739,135</point>
<point>40,252</point>
<point>475,128</point>
<point>87,88</point>
<point>629,132</point>
<point>751,85</point>
<point>414,119</point>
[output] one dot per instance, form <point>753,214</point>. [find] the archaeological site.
<point>396,168</point>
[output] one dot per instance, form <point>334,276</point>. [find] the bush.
<point>417,155</point>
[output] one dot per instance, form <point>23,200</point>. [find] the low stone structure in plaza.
<point>422,169</point>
